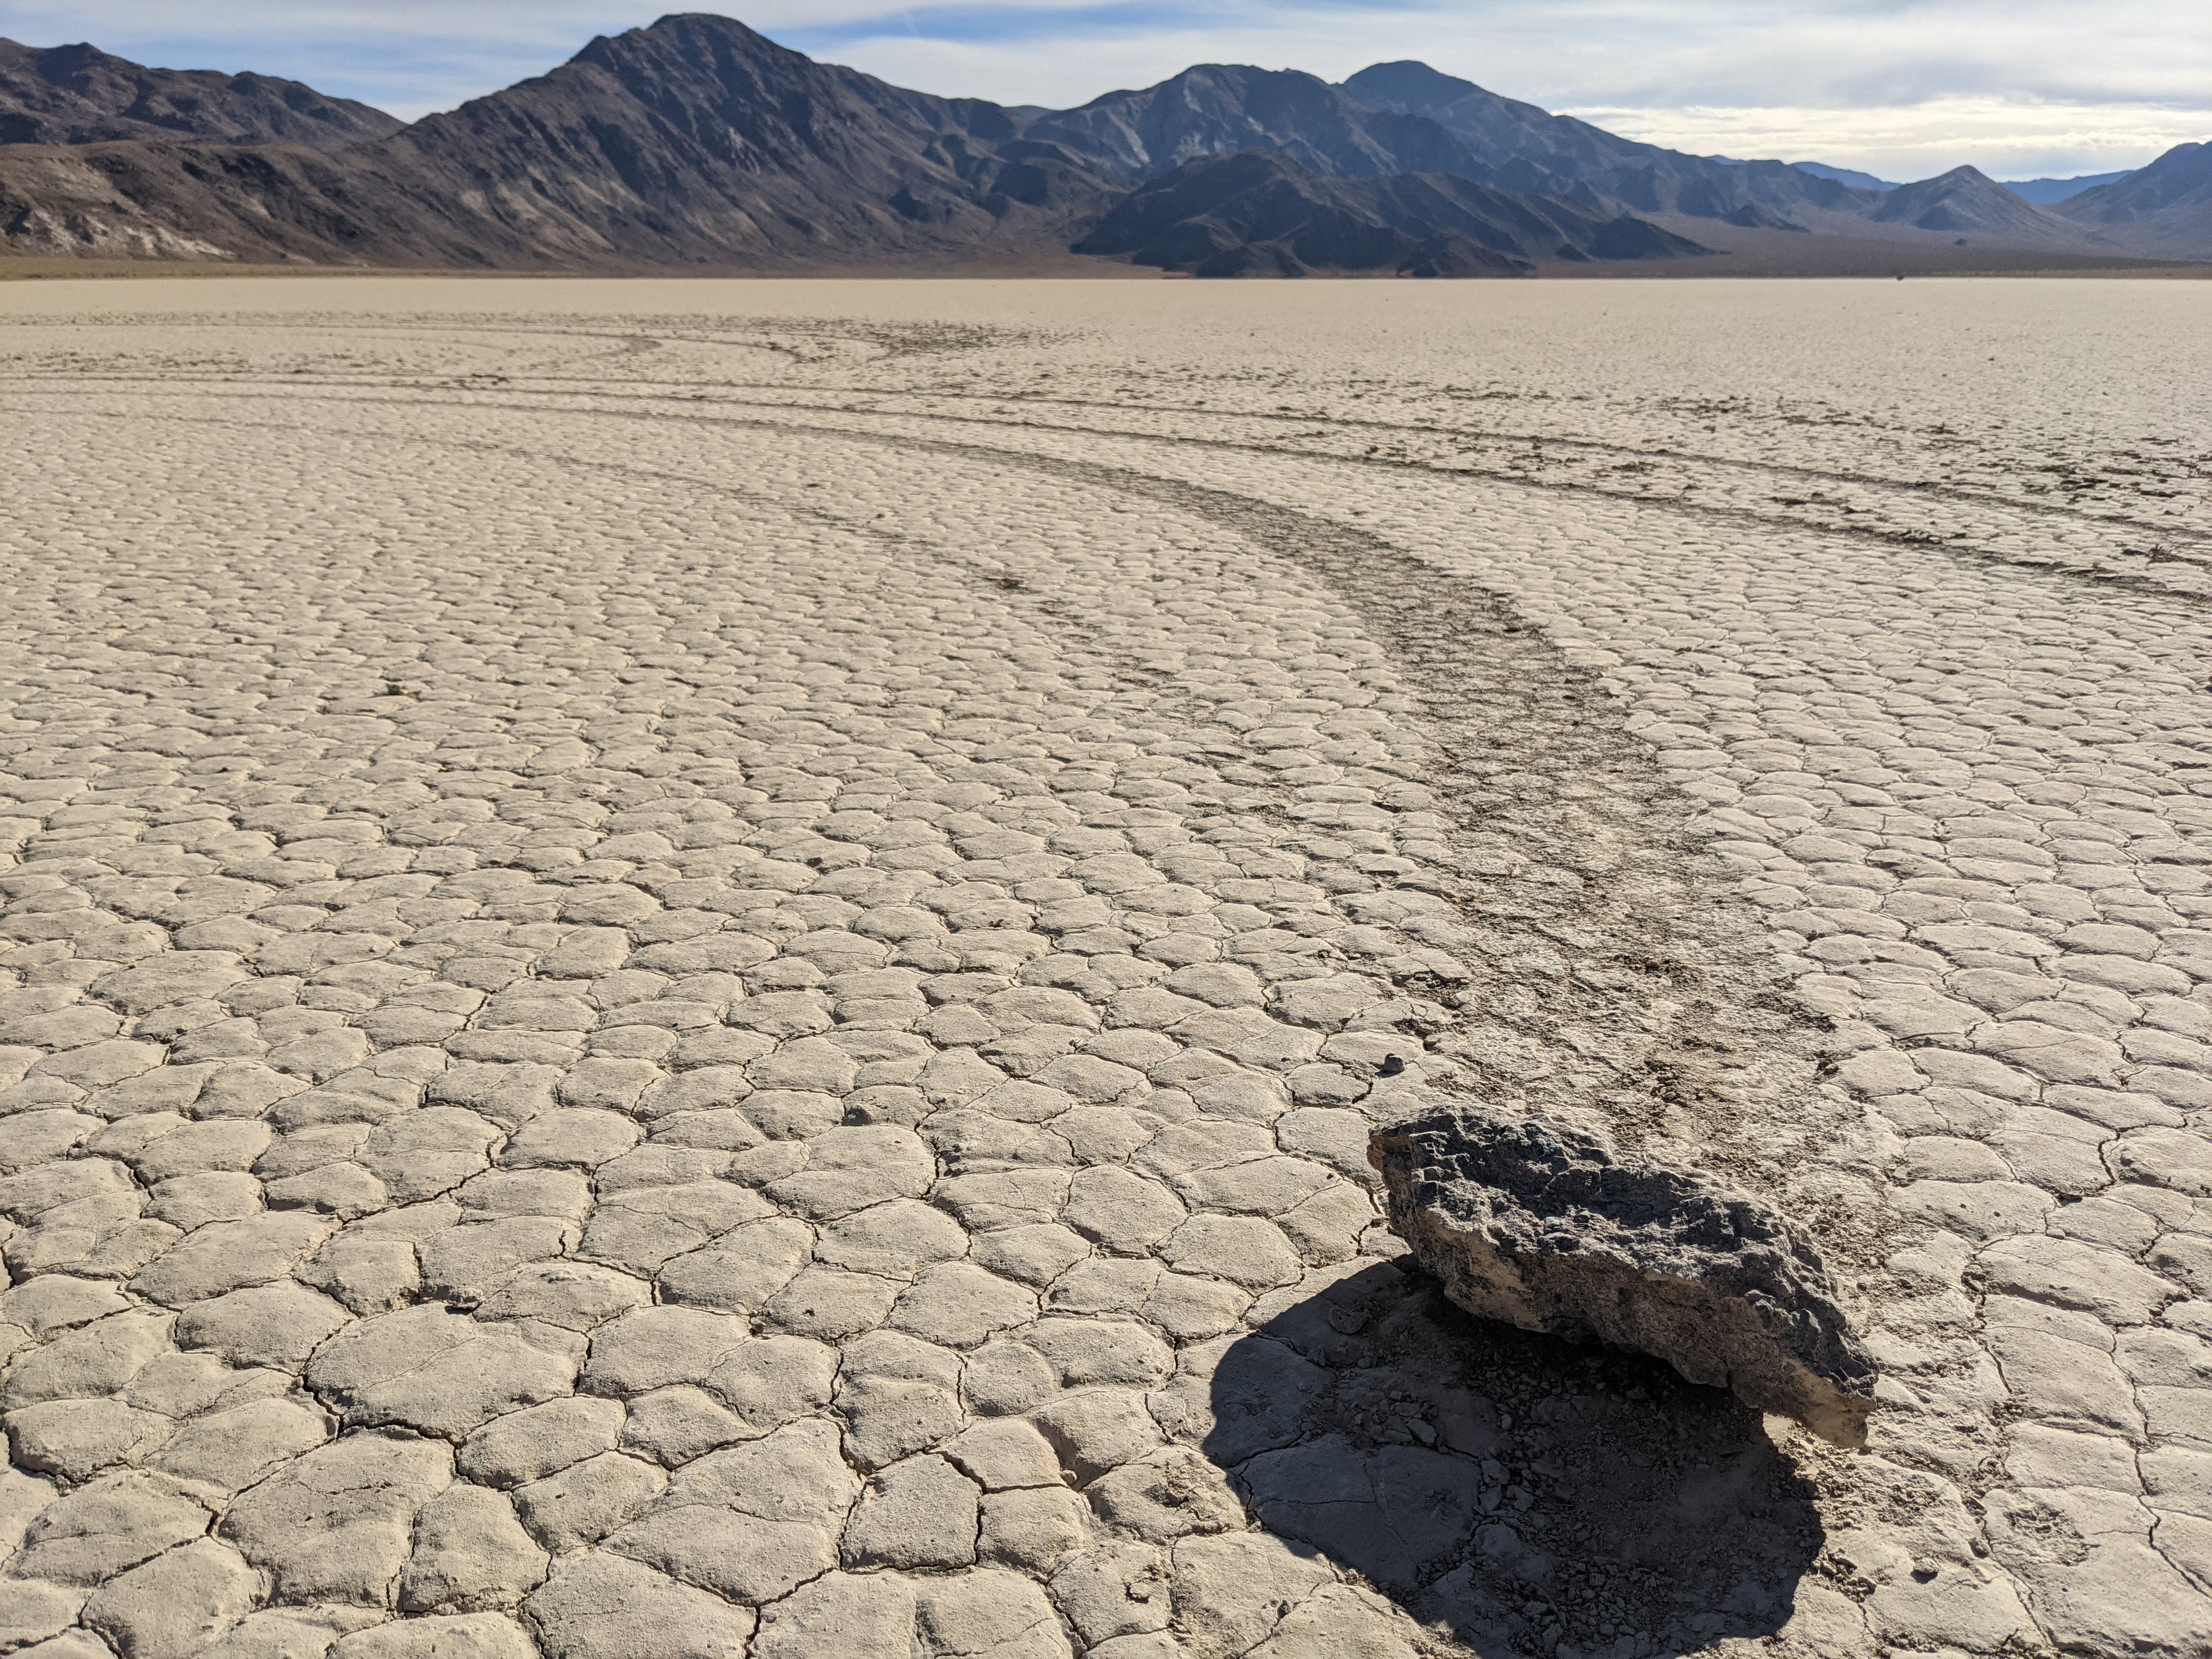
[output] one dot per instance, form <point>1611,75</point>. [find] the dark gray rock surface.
<point>1546,1230</point>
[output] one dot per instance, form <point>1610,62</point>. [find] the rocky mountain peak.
<point>1967,200</point>
<point>1411,84</point>
<point>79,95</point>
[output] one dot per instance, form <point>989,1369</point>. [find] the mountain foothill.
<point>698,145</point>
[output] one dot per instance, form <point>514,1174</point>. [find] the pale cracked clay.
<point>739,1014</point>
<point>1544,1229</point>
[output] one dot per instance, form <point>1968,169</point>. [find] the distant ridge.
<point>1530,148</point>
<point>1258,213</point>
<point>2040,193</point>
<point>2046,192</point>
<point>80,96</point>
<point>1855,179</point>
<point>1218,109</point>
<point>1967,201</point>
<point>2165,207</point>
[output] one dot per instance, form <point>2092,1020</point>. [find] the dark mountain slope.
<point>1504,128</point>
<point>2165,208</point>
<point>1261,213</point>
<point>693,143</point>
<point>272,204</point>
<point>1218,109</point>
<point>697,140</point>
<point>1966,202</point>
<point>80,96</point>
<point>1529,149</point>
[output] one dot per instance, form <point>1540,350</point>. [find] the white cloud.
<point>1905,87</point>
<point>2005,140</point>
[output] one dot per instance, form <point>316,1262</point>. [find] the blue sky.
<point>1902,87</point>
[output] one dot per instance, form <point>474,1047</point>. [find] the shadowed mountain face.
<point>1504,128</point>
<point>1255,213</point>
<point>698,141</point>
<point>1970,203</point>
<point>80,96</point>
<point>1218,109</point>
<point>1530,150</point>
<point>2165,207</point>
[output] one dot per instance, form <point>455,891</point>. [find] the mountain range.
<point>698,144</point>
<point>2041,191</point>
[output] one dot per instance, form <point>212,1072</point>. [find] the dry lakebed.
<point>702,970</point>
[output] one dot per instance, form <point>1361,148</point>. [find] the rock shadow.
<point>1530,1496</point>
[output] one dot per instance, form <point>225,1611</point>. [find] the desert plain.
<point>694,970</point>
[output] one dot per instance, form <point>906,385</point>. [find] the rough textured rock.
<point>1543,1228</point>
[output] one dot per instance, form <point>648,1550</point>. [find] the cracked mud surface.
<point>701,969</point>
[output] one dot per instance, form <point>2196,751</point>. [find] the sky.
<point>1902,89</point>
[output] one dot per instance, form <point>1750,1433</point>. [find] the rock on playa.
<point>1529,1223</point>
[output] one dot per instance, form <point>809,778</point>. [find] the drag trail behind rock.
<point>708,982</point>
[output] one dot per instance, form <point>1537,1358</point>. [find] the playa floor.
<point>696,969</point>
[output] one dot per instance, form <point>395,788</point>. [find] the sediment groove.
<point>1614,978</point>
